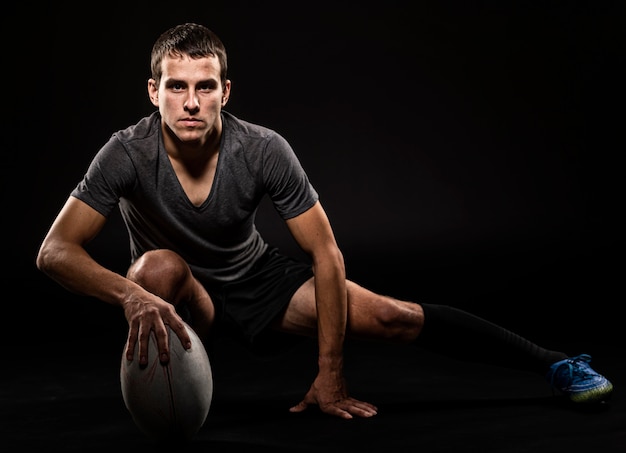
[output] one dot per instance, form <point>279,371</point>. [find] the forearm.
<point>73,268</point>
<point>332,311</point>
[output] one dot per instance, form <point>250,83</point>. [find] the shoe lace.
<point>574,370</point>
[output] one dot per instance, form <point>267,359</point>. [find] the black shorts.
<point>245,307</point>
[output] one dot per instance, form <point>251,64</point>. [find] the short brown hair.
<point>191,39</point>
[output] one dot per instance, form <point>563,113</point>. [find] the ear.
<point>226,92</point>
<point>153,92</point>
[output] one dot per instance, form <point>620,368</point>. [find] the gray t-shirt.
<point>218,239</point>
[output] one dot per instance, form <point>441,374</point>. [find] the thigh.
<point>370,315</point>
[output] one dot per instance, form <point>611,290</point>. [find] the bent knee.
<point>396,321</point>
<point>159,268</point>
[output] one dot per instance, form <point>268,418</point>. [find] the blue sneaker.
<point>576,379</point>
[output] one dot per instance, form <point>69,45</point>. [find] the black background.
<point>467,153</point>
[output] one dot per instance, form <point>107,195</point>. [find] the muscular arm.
<point>312,231</point>
<point>314,234</point>
<point>62,256</point>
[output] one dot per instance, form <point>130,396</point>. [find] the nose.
<point>191,103</point>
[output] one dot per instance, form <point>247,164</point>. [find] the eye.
<point>175,85</point>
<point>207,86</point>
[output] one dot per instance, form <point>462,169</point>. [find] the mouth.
<point>189,122</point>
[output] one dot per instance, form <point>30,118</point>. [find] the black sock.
<point>461,335</point>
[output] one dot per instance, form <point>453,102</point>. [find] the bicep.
<point>312,230</point>
<point>77,222</point>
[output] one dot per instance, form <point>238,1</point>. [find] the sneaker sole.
<point>595,395</point>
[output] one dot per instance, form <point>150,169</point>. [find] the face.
<point>190,97</point>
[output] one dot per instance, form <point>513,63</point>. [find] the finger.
<point>351,407</point>
<point>364,411</point>
<point>131,342</point>
<point>329,409</point>
<point>144,341</point>
<point>178,327</point>
<point>161,334</point>
<point>336,410</point>
<point>301,406</point>
<point>364,406</point>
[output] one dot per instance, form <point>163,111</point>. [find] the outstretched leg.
<point>442,329</point>
<point>451,332</point>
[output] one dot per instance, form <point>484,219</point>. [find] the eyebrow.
<point>169,81</point>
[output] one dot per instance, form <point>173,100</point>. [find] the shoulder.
<point>146,128</point>
<point>245,132</point>
<point>255,145</point>
<point>131,148</point>
<point>137,143</point>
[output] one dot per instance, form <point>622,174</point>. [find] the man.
<point>188,180</point>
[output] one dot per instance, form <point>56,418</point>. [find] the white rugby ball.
<point>169,403</point>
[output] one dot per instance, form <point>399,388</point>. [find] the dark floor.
<point>425,403</point>
<point>60,388</point>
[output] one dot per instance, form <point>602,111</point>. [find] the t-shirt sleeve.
<point>109,175</point>
<point>286,181</point>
